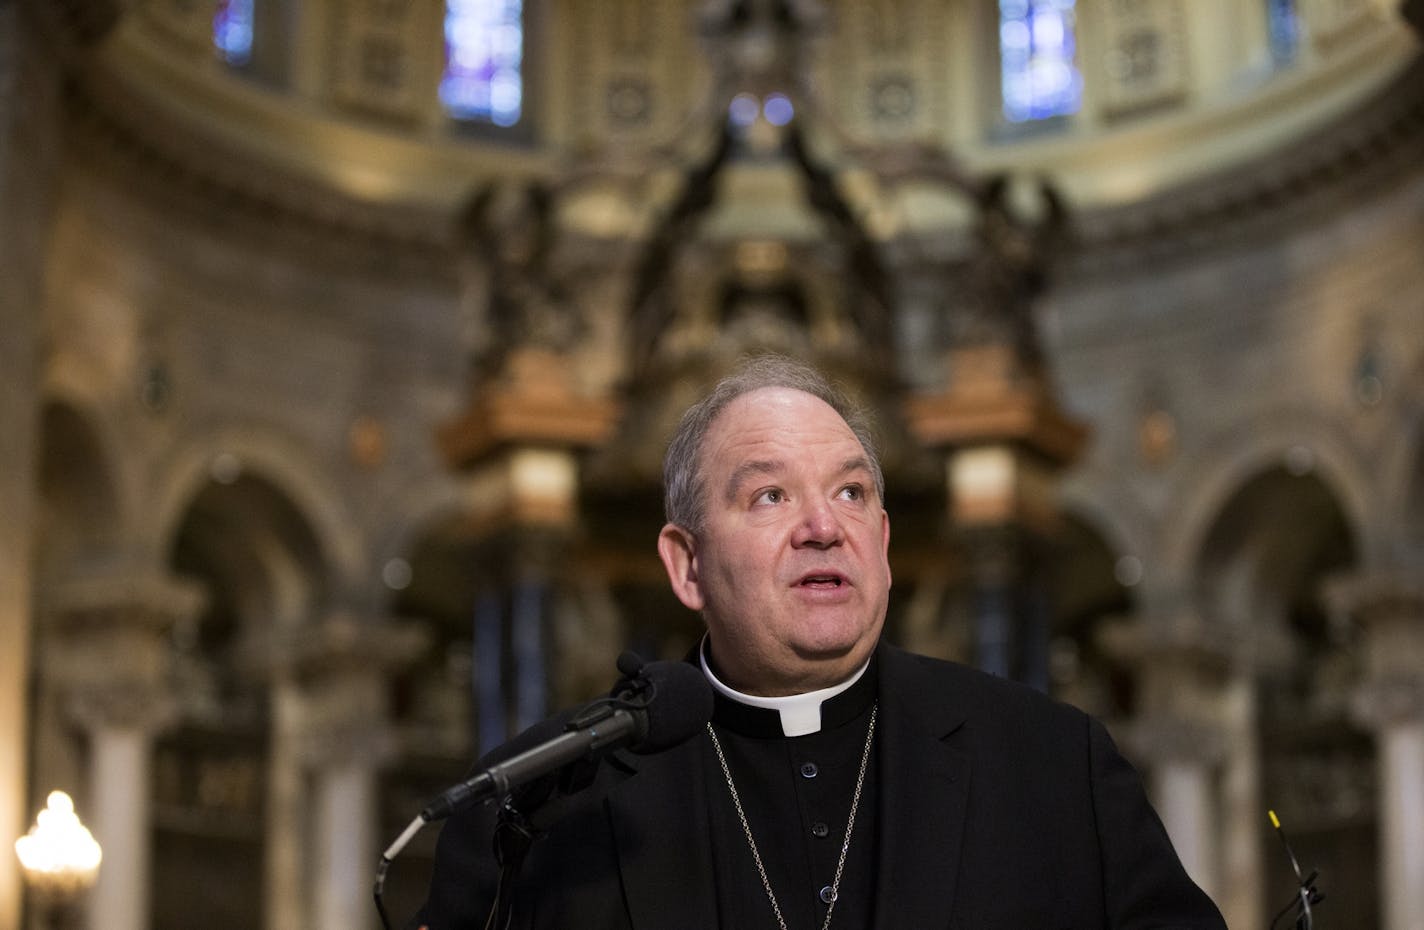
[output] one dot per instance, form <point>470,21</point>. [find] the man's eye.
<point>852,492</point>
<point>770,496</point>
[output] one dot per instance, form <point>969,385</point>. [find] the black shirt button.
<point>809,770</point>
<point>828,894</point>
<point>819,829</point>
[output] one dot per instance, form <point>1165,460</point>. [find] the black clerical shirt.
<point>797,794</point>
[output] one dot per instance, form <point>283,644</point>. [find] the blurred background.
<point>341,340</point>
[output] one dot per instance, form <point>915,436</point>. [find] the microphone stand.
<point>513,835</point>
<point>515,829</point>
<point>1306,893</point>
<point>584,740</point>
<point>560,767</point>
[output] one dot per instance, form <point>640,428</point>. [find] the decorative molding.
<point>1146,63</point>
<point>532,405</point>
<point>1167,738</point>
<point>1373,598</point>
<point>174,164</point>
<point>1258,200</point>
<point>1388,702</point>
<point>108,651</point>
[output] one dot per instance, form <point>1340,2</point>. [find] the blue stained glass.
<point>778,109</point>
<point>1284,26</point>
<point>232,31</point>
<point>1037,47</point>
<point>484,56</point>
<point>743,110</point>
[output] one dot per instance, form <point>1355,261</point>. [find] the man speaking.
<point>841,782</point>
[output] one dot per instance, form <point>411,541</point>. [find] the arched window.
<point>484,57</point>
<point>1037,52</point>
<point>1283,24</point>
<point>232,31</point>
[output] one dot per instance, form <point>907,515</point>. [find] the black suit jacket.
<point>1000,809</point>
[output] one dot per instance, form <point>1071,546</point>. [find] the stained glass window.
<point>232,31</point>
<point>1284,28</point>
<point>484,52</point>
<point>1037,47</point>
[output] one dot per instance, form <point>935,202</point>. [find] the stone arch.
<point>1279,529</point>
<point>246,517</point>
<point>77,530</point>
<point>1402,471</point>
<point>1257,578</point>
<point>290,470</point>
<point>429,574</point>
<point>433,504</point>
<point>1298,439</point>
<point>81,498</point>
<point>1094,593</point>
<point>68,383</point>
<point>1118,514</point>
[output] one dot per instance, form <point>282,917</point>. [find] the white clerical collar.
<point>800,713</point>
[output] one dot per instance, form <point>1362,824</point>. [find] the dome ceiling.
<point>306,135</point>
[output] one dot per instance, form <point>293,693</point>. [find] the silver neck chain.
<point>850,822</point>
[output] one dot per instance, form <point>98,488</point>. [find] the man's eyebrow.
<point>747,469</point>
<point>774,466</point>
<point>857,463</point>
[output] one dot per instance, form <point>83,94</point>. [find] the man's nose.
<point>819,526</point>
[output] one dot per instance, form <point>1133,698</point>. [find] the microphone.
<point>653,707</point>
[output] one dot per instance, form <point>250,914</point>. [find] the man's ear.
<point>678,549</point>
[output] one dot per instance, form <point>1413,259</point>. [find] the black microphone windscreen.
<point>681,704</point>
<point>629,664</point>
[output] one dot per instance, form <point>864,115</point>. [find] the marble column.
<point>108,659</point>
<point>285,805</point>
<point>341,674</point>
<point>1182,785</point>
<point>1180,734</point>
<point>1388,608</point>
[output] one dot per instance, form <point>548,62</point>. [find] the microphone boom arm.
<point>587,741</point>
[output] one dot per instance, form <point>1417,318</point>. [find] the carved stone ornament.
<point>1387,702</point>
<point>108,651</point>
<point>341,671</point>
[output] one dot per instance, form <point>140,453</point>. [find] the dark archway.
<point>262,566</point>
<point>1261,569</point>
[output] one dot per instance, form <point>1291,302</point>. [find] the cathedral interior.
<point>342,339</point>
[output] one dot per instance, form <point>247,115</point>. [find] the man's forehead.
<point>766,405</point>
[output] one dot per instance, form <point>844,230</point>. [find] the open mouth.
<point>822,581</point>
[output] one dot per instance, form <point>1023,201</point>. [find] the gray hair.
<point>683,485</point>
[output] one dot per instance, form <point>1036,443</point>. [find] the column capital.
<point>343,645</point>
<point>139,601</point>
<point>1385,702</point>
<point>1198,652</point>
<point>1163,738</point>
<point>107,650</point>
<point>341,670</point>
<point>1378,598</point>
<point>1184,670</point>
<point>1388,609</point>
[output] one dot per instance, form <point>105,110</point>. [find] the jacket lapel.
<point>924,791</point>
<point>659,823</point>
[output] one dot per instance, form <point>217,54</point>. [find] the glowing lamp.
<point>59,855</point>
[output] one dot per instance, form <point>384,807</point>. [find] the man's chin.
<point>836,658</point>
